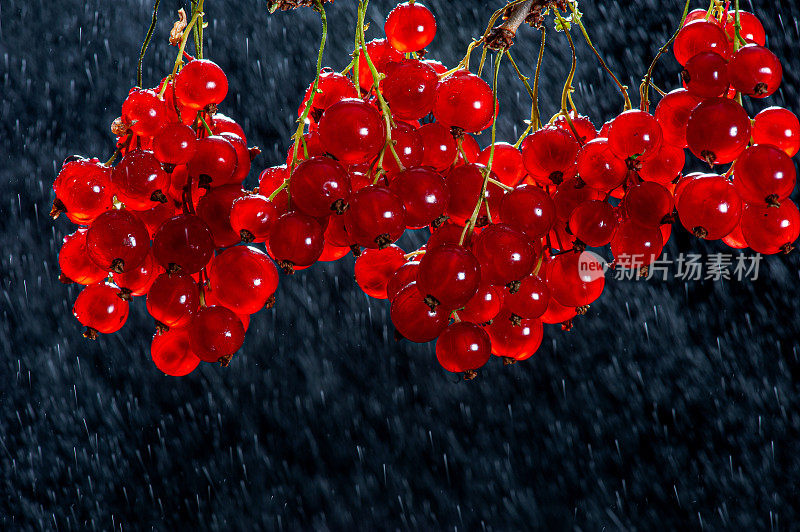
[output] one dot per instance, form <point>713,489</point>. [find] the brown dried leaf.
<point>177,29</point>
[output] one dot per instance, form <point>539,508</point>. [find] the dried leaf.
<point>176,33</point>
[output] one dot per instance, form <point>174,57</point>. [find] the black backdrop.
<point>670,405</point>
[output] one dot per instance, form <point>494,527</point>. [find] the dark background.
<point>670,405</point>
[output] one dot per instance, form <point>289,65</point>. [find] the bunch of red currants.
<point>387,146</point>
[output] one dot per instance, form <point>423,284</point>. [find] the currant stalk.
<point>536,120</point>
<point>644,99</point>
<point>196,15</point>
<point>146,43</point>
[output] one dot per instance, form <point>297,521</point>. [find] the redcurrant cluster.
<point>387,146</point>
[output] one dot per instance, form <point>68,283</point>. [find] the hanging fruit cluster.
<point>386,146</point>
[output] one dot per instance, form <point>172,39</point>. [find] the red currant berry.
<point>515,339</point>
<point>469,150</point>
<point>484,305</point>
<point>173,299</point>
<point>672,113</point>
<point>718,130</point>
<point>252,216</point>
<point>599,167</point>
<point>382,55</point>
<point>376,217</point>
<point>779,127</point>
<point>139,180</point>
<point>706,75</point>
<point>635,134</point>
<point>410,27</point>
<point>145,112</point>
<point>447,233</point>
<point>74,261</point>
<point>138,281</point>
<point>413,317</point>
<point>710,207</point>
<point>332,88</point>
<point>570,194</point>
<point>635,245</point>
<point>174,144</point>
<point>214,161</point>
<point>83,190</point>
<point>593,222</point>
<point>465,183</point>
<point>184,241</point>
<point>764,173</point>
<point>505,255</point>
<point>296,241</point>
<point>581,128</point>
<point>410,89</point>
<point>269,181</point>
<point>336,233</point>
<point>769,230</point>
<point>573,279</point>
<point>464,101</point>
<point>507,163</point>
<point>751,29</point>
<point>736,239</point>
<point>400,278</point>
<point>557,313</point>
<point>320,186</point>
<point>172,354</point>
<point>665,167</point>
<point>242,157</point>
<point>352,131</point>
<point>440,148</point>
<point>424,193</point>
<point>648,203</point>
<point>755,71</point>
<point>99,309</point>
<point>463,346</point>
<point>700,36</point>
<point>529,299</point>
<point>448,275</point>
<point>117,240</point>
<point>199,83</point>
<point>215,210</point>
<point>530,210</point>
<point>408,147</point>
<point>374,268</point>
<point>221,123</point>
<point>548,153</point>
<point>242,279</point>
<point>215,334</point>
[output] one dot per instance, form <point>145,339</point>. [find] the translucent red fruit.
<point>718,130</point>
<point>528,209</point>
<point>440,148</point>
<point>352,131</point>
<point>144,112</point>
<point>672,113</point>
<point>173,299</point>
<point>770,230</point>
<point>648,203</point>
<point>174,144</point>
<point>570,194</point>
<point>215,334</point>
<point>414,319</point>
<point>184,241</point>
<point>710,207</point>
<point>221,123</point>
<point>139,180</point>
<point>410,89</point>
<point>507,163</point>
<point>665,167</point>
<point>450,274</point>
<point>447,233</point>
<point>517,341</point>
<point>635,134</point>
<point>751,29</point>
<point>99,308</point>
<point>332,88</point>
<point>463,346</point>
<point>505,255</point>
<point>706,75</point>
<point>548,153</point>
<point>214,161</point>
<point>269,181</point>
<point>374,269</point>
<point>700,36</point>
<point>764,173</point>
<point>408,147</point>
<point>410,27</point>
<point>74,261</point>
<point>242,157</point>
<point>253,216</point>
<point>484,305</point>
<point>215,210</point>
<point>635,245</point>
<point>172,354</point>
<point>599,167</point>
<point>779,127</point>
<point>593,222</point>
<point>199,83</point>
<point>424,193</point>
<point>755,71</point>
<point>465,183</point>
<point>529,299</point>
<point>576,279</point>
<point>138,281</point>
<point>243,279</point>
<point>400,278</point>
<point>117,240</point>
<point>464,101</point>
<point>83,189</point>
<point>376,217</point>
<point>320,187</point>
<point>383,55</point>
<point>296,241</point>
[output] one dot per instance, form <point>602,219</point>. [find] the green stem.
<point>644,88</point>
<point>566,92</point>
<point>146,43</point>
<point>536,119</point>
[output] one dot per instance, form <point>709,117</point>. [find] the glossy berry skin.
<point>144,111</point>
<point>530,299</point>
<point>320,186</point>
<point>117,240</point>
<point>764,173</point>
<point>447,233</point>
<point>582,127</point>
<point>450,274</point>
<point>635,134</point>
<point>548,153</point>
<point>648,203</point>
<point>718,130</point>
<point>199,83</point>
<point>751,29</point>
<point>214,161</point>
<point>83,187</point>
<point>408,146</point>
<point>333,87</point>
<point>98,307</point>
<point>700,36</point>
<point>665,167</point>
<point>174,144</point>
<point>779,127</point>
<point>400,278</point>
<point>74,261</point>
<point>376,217</point>
<point>519,342</point>
<point>599,167</point>
<point>383,57</point>
<point>570,194</point>
<point>242,157</point>
<point>414,319</point>
<point>465,183</point>
<point>706,75</point>
<point>297,240</point>
<point>410,27</point>
<point>484,305</point>
<point>410,89</point>
<point>573,280</point>
<point>137,177</point>
<point>184,241</point>
<point>505,255</point>
<point>253,216</point>
<point>463,346</point>
<point>635,245</point>
<point>172,354</point>
<point>375,267</point>
<point>138,281</point>
<point>710,207</point>
<point>736,239</point>
<point>672,113</point>
<point>215,210</point>
<point>440,148</point>
<point>755,71</point>
<point>528,209</point>
<point>216,332</point>
<point>268,182</point>
<point>465,101</point>
<point>424,194</point>
<point>352,131</point>
<point>770,230</point>
<point>242,279</point>
<point>221,123</point>
<point>507,163</point>
<point>173,299</point>
<point>557,313</point>
<point>593,222</point>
